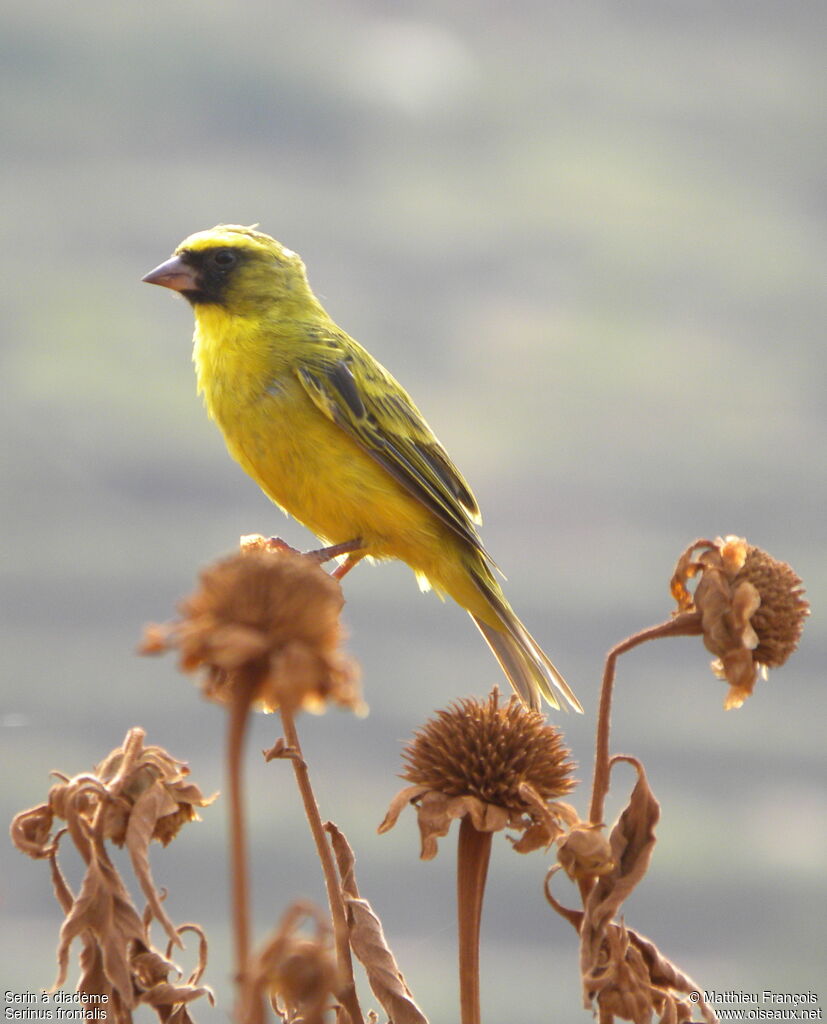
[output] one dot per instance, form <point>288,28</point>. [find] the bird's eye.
<point>224,258</point>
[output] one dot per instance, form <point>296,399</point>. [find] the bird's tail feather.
<point>528,668</point>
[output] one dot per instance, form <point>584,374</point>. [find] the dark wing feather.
<point>362,398</point>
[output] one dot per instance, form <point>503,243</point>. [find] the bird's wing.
<point>362,398</point>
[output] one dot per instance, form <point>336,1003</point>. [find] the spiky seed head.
<point>487,750</point>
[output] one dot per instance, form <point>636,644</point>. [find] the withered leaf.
<point>104,909</point>
<point>574,917</point>
<point>398,805</point>
<point>31,831</point>
<point>631,842</point>
<point>345,859</point>
<point>154,803</point>
<point>93,980</point>
<point>368,941</point>
<point>201,965</point>
<point>666,975</point>
<point>166,994</point>
<point>370,947</point>
<point>63,894</point>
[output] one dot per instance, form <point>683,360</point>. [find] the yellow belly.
<point>314,471</point>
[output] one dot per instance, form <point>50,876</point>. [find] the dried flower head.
<point>295,970</point>
<point>504,765</point>
<point>152,788</point>
<point>136,794</point>
<point>752,609</point>
<point>274,614</point>
<point>585,852</point>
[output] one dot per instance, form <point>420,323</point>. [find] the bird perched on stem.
<point>333,439</point>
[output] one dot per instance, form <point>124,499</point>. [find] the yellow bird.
<point>333,439</point>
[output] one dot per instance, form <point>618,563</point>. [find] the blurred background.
<point>589,239</point>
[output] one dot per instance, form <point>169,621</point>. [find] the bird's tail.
<point>528,668</point>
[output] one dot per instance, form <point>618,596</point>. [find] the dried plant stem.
<point>246,681</point>
<point>347,995</point>
<point>685,624</point>
<point>473,854</point>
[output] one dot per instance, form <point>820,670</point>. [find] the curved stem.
<point>685,624</point>
<point>341,933</point>
<point>473,855</point>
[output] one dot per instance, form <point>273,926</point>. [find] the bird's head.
<point>239,269</point>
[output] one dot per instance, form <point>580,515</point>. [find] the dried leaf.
<point>398,805</point>
<point>544,817</point>
<point>631,842</point>
<point>368,941</point>
<point>94,982</point>
<point>666,975</point>
<point>104,909</point>
<point>535,837</point>
<point>201,966</point>
<point>166,994</point>
<point>31,831</point>
<point>485,817</point>
<point>150,972</point>
<point>574,917</point>
<point>149,967</point>
<point>151,805</point>
<point>370,947</point>
<point>345,859</point>
<point>63,894</point>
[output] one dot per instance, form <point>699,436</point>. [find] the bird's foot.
<point>277,544</point>
<point>352,559</point>
<point>352,548</point>
<point>255,542</point>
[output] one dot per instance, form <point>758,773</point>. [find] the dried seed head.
<point>296,971</point>
<point>504,766</point>
<point>585,852</point>
<point>274,614</point>
<point>478,748</point>
<point>149,784</point>
<point>752,609</point>
<point>779,620</point>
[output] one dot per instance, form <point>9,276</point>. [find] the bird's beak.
<point>173,274</point>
